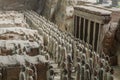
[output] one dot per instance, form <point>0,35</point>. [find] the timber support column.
<point>75,22</point>
<point>94,28</point>
<point>88,37</point>
<point>79,27</point>
<point>83,29</point>
<point>98,38</point>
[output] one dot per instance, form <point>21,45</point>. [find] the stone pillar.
<point>75,22</point>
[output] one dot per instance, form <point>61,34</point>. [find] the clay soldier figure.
<point>41,48</point>
<point>84,50</point>
<point>107,58</point>
<point>15,49</point>
<point>104,62</point>
<point>78,69</point>
<point>48,71</point>
<point>15,46</point>
<point>50,46</point>
<point>69,58</point>
<point>65,75</point>
<point>70,48</point>
<point>111,74</point>
<point>83,70</point>
<point>22,75</point>
<point>63,55</point>
<point>69,71</point>
<point>51,77</point>
<point>4,73</point>
<point>87,53</point>
<point>14,52</point>
<point>59,54</point>
<point>102,56</point>
<point>67,46</point>
<point>24,51</point>
<point>33,67</point>
<point>83,57</point>
<point>0,75</point>
<point>95,75</point>
<point>47,56</point>
<point>69,65</point>
<point>97,60</point>
<point>0,51</point>
<point>29,71</point>
<point>106,73</point>
<point>101,72</point>
<point>87,72</point>
<point>91,65</point>
<point>46,39</point>
<point>74,51</point>
<point>56,52</point>
<point>94,61</point>
<point>20,51</point>
<point>76,57</point>
<point>30,74</point>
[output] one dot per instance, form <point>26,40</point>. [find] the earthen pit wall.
<point>12,72</point>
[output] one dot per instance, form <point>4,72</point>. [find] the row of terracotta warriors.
<point>65,49</point>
